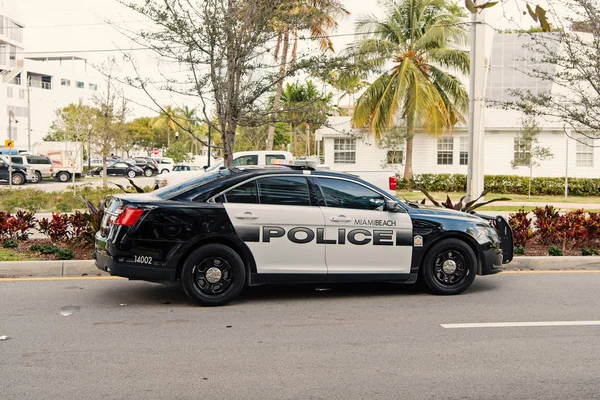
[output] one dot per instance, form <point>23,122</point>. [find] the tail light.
<point>128,216</point>
<point>393,183</point>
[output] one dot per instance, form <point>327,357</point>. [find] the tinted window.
<point>344,194</point>
<point>245,160</point>
<point>16,160</point>
<point>270,157</point>
<point>245,193</point>
<point>284,190</point>
<point>120,165</point>
<point>38,160</point>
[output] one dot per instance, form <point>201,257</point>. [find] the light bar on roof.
<point>295,163</point>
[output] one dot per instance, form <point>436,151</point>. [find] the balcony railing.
<point>40,84</point>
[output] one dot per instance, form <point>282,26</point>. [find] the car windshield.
<point>214,167</point>
<point>198,180</point>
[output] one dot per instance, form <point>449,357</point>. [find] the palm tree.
<point>171,119</point>
<point>189,115</point>
<point>349,82</point>
<point>304,105</point>
<point>316,16</point>
<point>423,39</point>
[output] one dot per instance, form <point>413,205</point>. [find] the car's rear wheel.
<point>148,172</point>
<point>164,171</point>
<point>101,173</point>
<point>131,174</point>
<point>449,267</point>
<point>18,178</point>
<point>213,275</point>
<point>37,177</point>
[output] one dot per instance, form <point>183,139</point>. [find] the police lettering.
<point>359,237</point>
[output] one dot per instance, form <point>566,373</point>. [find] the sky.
<point>81,26</point>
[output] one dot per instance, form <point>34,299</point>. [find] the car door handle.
<point>341,218</point>
<point>246,215</point>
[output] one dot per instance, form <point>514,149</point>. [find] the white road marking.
<point>519,324</point>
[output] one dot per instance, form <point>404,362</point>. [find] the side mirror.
<point>393,206</point>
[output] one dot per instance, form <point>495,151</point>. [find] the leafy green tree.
<point>178,151</point>
<point>170,119</point>
<point>72,123</point>
<point>530,153</point>
<point>423,39</point>
<point>137,134</point>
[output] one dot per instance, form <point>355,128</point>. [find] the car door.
<point>361,236</point>
<point>117,169</point>
<point>280,223</point>
<point>3,170</point>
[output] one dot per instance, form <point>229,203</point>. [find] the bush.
<point>521,228</point>
<point>545,225</point>
<point>57,228</point>
<point>506,184</point>
<point>589,252</point>
<point>519,250</point>
<point>65,254</point>
<point>10,244</point>
<point>555,251</point>
<point>16,226</point>
<point>45,248</point>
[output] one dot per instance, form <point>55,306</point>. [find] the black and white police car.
<point>219,232</point>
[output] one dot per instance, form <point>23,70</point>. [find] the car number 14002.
<point>143,259</point>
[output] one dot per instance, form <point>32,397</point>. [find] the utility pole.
<point>28,118</point>
<point>208,143</point>
<point>476,92</point>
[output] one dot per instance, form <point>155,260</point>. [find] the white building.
<point>352,150</point>
<point>33,87</point>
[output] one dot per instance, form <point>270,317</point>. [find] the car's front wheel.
<point>164,171</point>
<point>148,172</point>
<point>18,178</point>
<point>449,267</point>
<point>64,176</point>
<point>131,174</point>
<point>213,275</point>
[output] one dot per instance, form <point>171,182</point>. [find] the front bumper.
<point>491,262</point>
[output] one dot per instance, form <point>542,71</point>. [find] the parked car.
<point>240,159</point>
<point>147,164</point>
<point>20,173</point>
<point>165,164</point>
<point>187,168</point>
<point>120,168</point>
<point>42,165</point>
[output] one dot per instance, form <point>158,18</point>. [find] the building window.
<point>464,151</point>
<point>80,85</point>
<point>522,150</point>
<point>395,157</point>
<point>9,92</point>
<point>344,151</point>
<point>445,151</point>
<point>21,94</point>
<point>584,156</point>
<point>65,82</point>
<point>93,86</point>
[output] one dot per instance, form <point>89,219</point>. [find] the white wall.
<point>498,151</point>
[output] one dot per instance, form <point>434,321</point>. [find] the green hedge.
<point>505,184</point>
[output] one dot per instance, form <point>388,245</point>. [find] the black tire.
<point>64,176</point>
<point>18,178</point>
<point>164,171</point>
<point>38,177</point>
<point>148,172</point>
<point>101,173</point>
<point>463,261</point>
<point>195,275</point>
<point>131,174</point>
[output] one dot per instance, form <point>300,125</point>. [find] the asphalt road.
<point>136,340</point>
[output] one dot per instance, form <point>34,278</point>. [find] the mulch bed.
<point>534,249</point>
<point>81,253</point>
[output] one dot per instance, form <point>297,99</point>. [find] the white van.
<point>240,159</point>
<point>165,164</point>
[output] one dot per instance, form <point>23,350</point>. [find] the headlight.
<point>484,234</point>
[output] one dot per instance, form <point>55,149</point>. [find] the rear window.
<point>194,182</point>
<point>38,160</point>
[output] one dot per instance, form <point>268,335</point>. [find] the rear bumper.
<point>107,263</point>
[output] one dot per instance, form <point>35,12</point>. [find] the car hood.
<point>433,211</point>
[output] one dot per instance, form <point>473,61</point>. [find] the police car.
<point>218,232</point>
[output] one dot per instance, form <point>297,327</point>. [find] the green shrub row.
<point>506,184</point>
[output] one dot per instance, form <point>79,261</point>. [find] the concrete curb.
<point>546,263</point>
<point>49,268</point>
<point>88,268</point>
